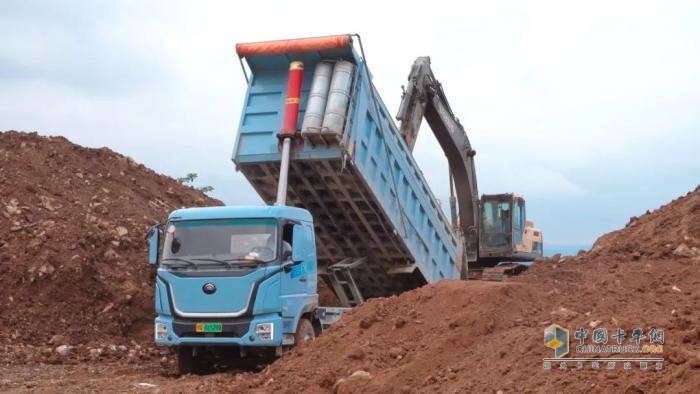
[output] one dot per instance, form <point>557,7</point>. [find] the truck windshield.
<point>228,240</point>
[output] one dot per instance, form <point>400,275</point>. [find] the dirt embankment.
<point>485,337</point>
<point>72,254</point>
<point>73,270</point>
<point>671,231</point>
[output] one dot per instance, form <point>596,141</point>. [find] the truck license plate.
<point>208,327</point>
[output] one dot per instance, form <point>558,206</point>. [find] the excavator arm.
<point>425,98</point>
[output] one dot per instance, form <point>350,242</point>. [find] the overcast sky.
<point>589,109</point>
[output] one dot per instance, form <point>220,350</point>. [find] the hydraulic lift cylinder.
<point>291,103</point>
<point>289,126</point>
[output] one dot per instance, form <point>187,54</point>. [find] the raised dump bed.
<point>371,205</point>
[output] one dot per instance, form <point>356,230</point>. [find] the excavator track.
<point>498,273</point>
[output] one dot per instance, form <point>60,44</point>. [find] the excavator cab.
<point>506,234</point>
<point>495,228</point>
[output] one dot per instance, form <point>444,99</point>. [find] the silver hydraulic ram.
<point>289,126</point>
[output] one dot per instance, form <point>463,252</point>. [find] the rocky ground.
<point>72,255</point>
<point>76,299</point>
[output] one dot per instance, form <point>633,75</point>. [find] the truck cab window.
<point>287,238</point>
<point>233,240</point>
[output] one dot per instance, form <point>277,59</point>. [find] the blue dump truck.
<point>352,209</point>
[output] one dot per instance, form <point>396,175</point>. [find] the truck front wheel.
<point>187,361</point>
<point>305,331</point>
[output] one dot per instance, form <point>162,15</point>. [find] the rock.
<point>396,352</point>
<point>338,385</point>
<point>49,203</point>
<point>676,289</point>
<point>110,254</point>
<point>95,353</point>
<point>58,340</point>
<point>360,375</point>
<point>121,348</point>
<point>692,336</point>
<point>677,358</point>
<point>349,384</point>
<point>356,353</point>
<point>563,313</point>
<point>634,389</point>
<point>46,269</point>
<point>594,323</point>
<point>145,385</point>
<point>683,251</point>
<point>399,322</point>
<point>64,350</point>
<point>366,323</point>
<point>13,208</point>
<point>121,231</point>
<point>694,363</point>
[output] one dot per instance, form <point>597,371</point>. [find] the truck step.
<point>344,284</point>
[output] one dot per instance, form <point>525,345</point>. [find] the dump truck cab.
<point>506,234</point>
<point>241,276</point>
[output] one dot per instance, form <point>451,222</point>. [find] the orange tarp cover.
<point>293,46</point>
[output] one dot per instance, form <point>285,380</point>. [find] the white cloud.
<point>564,101</point>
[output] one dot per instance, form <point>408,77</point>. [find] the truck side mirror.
<point>298,243</point>
<point>153,237</point>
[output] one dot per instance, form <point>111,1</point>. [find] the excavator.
<point>495,231</point>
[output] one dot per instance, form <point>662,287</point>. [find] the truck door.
<point>300,282</point>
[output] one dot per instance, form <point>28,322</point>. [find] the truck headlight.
<point>161,331</point>
<point>265,331</point>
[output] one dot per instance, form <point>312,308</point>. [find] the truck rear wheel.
<point>305,331</point>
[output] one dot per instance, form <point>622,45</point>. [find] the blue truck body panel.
<point>244,296</point>
<point>242,211</point>
<point>363,187</point>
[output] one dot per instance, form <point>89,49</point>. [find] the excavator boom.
<point>425,98</point>
<point>505,235</point>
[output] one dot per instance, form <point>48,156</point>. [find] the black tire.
<point>187,362</point>
<point>305,331</point>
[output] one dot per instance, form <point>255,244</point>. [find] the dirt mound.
<point>484,337</point>
<point>73,270</point>
<point>72,255</point>
<point>672,230</point>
